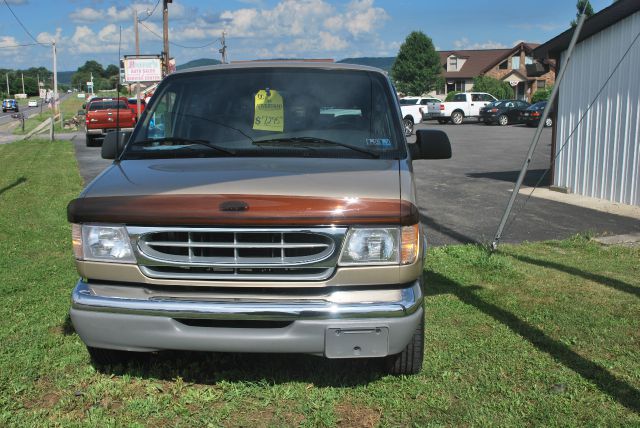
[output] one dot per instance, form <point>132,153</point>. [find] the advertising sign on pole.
<point>142,69</point>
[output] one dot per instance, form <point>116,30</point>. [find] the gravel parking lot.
<point>462,199</point>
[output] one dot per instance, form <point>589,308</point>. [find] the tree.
<point>111,70</point>
<point>498,88</point>
<point>417,67</point>
<point>582,5</point>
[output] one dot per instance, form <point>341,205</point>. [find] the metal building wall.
<point>602,157</point>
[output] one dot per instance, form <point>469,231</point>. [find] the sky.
<point>90,29</point>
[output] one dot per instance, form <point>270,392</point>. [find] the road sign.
<point>142,69</point>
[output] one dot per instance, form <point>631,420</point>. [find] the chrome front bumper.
<point>337,304</point>
<point>381,321</point>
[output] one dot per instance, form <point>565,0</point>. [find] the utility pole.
<point>223,49</point>
<point>165,34</point>
<point>23,83</point>
<point>135,26</point>
<point>8,91</point>
<point>55,87</point>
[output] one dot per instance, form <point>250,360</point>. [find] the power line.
<point>150,13</point>
<point>21,24</point>
<point>19,46</point>
<point>174,43</point>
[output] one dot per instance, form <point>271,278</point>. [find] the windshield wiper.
<point>312,140</point>
<point>183,141</point>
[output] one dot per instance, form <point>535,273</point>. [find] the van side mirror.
<point>84,105</point>
<point>114,143</point>
<point>430,144</point>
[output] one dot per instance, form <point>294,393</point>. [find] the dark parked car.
<point>10,105</point>
<point>503,112</point>
<point>531,116</point>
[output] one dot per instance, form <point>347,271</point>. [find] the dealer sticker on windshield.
<point>378,142</point>
<point>269,111</point>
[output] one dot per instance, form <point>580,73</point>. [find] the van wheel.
<point>457,117</point>
<point>408,126</point>
<point>89,141</point>
<point>409,361</point>
<point>503,120</point>
<point>110,357</point>
<point>548,122</point>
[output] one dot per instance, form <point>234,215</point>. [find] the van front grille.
<point>261,254</point>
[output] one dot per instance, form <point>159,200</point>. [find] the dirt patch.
<point>352,416</point>
<point>45,396</point>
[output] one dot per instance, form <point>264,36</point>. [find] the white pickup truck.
<point>417,109</point>
<point>463,105</point>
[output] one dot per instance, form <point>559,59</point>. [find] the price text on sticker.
<point>269,111</point>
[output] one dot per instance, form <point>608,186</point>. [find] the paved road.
<point>462,199</point>
<point>89,158</point>
<point>6,117</point>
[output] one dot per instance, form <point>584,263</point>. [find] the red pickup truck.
<point>106,115</point>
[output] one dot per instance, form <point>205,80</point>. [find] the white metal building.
<point>599,156</point>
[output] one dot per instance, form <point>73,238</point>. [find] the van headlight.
<point>381,246</point>
<point>102,243</point>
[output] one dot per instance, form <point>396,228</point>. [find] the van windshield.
<point>271,111</point>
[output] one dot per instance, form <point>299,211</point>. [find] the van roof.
<point>282,64</point>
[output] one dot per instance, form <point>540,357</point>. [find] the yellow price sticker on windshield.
<point>269,111</point>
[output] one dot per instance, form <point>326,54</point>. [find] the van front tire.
<point>409,361</point>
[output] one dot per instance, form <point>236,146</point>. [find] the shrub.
<point>451,94</point>
<point>498,88</point>
<point>541,95</point>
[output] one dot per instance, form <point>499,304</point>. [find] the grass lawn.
<point>537,334</point>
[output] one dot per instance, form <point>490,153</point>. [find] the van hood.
<point>312,177</point>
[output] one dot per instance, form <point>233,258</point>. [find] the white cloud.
<point>106,40</point>
<point>86,14</point>
<point>466,44</point>
<point>8,43</point>
<point>287,18</point>
<point>303,27</point>
<point>363,18</point>
<point>177,12</point>
<point>330,42</point>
